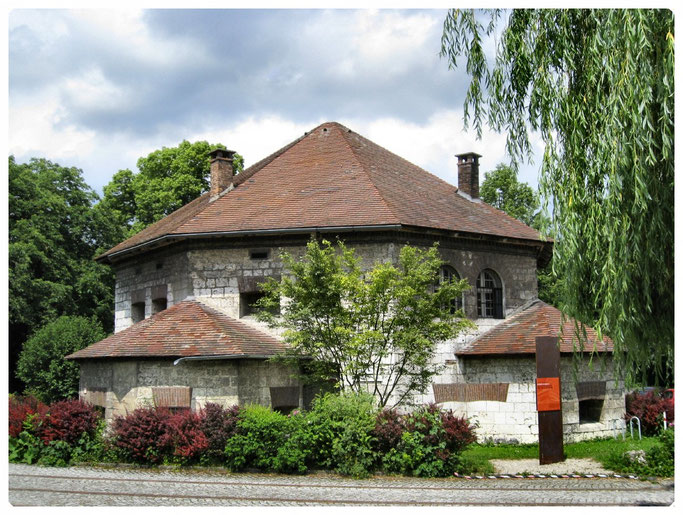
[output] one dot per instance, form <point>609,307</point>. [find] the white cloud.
<point>35,130</point>
<point>255,137</point>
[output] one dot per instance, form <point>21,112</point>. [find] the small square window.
<point>258,254</point>
<point>158,305</point>
<point>590,410</point>
<point>248,302</point>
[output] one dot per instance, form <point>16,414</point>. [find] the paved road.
<point>81,486</point>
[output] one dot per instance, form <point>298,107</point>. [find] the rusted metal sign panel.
<point>548,394</point>
<point>548,401</point>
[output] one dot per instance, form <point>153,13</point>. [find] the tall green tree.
<point>598,86</point>
<point>167,179</point>
<point>376,330</point>
<point>54,233</point>
<point>502,190</point>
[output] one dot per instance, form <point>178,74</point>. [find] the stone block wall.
<point>217,274</point>
<point>141,278</point>
<point>121,386</point>
<point>517,418</point>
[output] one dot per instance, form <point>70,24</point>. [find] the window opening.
<point>590,410</point>
<point>258,254</point>
<point>137,311</point>
<point>448,273</point>
<point>489,295</point>
<point>159,305</point>
<point>248,302</point>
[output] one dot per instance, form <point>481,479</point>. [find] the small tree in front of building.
<point>42,367</point>
<point>374,330</point>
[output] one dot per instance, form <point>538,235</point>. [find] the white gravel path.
<point>570,466</point>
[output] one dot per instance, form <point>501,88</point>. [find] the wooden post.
<point>548,401</point>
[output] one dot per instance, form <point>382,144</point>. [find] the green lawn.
<point>475,458</point>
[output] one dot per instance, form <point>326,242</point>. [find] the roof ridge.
<point>259,165</point>
<point>362,166</point>
<point>405,160</point>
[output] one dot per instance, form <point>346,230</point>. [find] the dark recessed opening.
<point>590,410</point>
<point>160,266</point>
<point>258,254</point>
<point>159,305</point>
<point>137,312</point>
<point>248,302</point>
<point>285,410</point>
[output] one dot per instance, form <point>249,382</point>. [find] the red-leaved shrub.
<point>20,407</point>
<point>459,432</point>
<point>218,425</point>
<point>67,421</point>
<point>183,436</point>
<point>138,435</point>
<point>649,407</point>
<point>388,430</point>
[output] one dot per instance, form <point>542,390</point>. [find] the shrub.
<point>41,363</point>
<point>661,457</point>
<point>20,408</point>
<point>183,437</point>
<point>260,433</point>
<point>459,433</point>
<point>137,436</point>
<point>648,407</point>
<point>67,421</point>
<point>658,461</point>
<point>388,430</point>
<point>340,428</point>
<point>55,435</point>
<point>430,445</point>
<point>24,448</point>
<point>219,425</point>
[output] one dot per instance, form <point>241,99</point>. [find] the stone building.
<point>184,330</point>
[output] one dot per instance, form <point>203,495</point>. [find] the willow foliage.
<point>598,86</point>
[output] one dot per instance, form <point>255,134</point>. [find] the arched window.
<point>448,273</point>
<point>489,295</point>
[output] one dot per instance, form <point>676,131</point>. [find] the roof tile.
<point>186,329</point>
<point>517,334</point>
<point>332,177</point>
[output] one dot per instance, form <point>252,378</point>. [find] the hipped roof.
<point>187,329</point>
<point>517,334</point>
<point>330,178</point>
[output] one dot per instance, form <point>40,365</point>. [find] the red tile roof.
<point>186,329</point>
<point>331,178</point>
<point>517,334</point>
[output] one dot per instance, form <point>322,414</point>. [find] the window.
<point>158,305</point>
<point>248,302</point>
<point>284,399</point>
<point>159,298</point>
<point>590,410</point>
<point>258,254</point>
<point>489,295</point>
<point>591,395</point>
<point>137,312</point>
<point>448,273</point>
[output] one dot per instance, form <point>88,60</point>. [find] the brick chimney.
<point>468,173</point>
<point>221,170</point>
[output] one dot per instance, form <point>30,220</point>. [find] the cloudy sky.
<point>97,89</point>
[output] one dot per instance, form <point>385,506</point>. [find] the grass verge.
<point>475,459</point>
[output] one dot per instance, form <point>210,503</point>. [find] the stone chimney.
<point>468,174</point>
<point>221,170</point>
